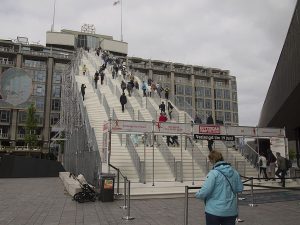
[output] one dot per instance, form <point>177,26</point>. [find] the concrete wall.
<point>114,46</point>
<point>54,38</point>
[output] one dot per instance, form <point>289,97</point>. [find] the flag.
<point>116,2</point>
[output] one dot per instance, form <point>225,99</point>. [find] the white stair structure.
<point>103,103</point>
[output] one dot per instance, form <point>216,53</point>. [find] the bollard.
<point>125,200</point>
<point>118,182</point>
<point>128,217</point>
<point>252,195</point>
<point>186,205</point>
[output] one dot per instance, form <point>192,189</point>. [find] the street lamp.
<point>116,3</point>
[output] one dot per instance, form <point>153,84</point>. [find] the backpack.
<point>288,163</point>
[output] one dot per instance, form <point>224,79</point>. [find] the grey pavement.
<point>43,201</point>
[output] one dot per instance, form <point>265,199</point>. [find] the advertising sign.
<point>172,128</point>
<point>214,137</point>
<point>131,126</point>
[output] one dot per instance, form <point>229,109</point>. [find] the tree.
<point>31,127</point>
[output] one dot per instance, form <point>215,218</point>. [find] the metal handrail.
<point>151,109</point>
<point>174,100</point>
<point>250,154</point>
<point>106,106</point>
<point>140,116</point>
<point>197,154</point>
<point>135,156</point>
<point>167,154</point>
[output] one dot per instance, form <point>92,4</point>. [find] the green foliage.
<point>31,127</point>
<point>292,154</point>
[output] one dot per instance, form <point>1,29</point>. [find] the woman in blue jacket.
<point>219,192</point>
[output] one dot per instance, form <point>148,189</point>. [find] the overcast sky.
<point>243,36</point>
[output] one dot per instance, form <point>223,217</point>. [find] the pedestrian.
<point>83,87</point>
<point>123,86</point>
<point>96,78</point>
<point>271,164</point>
<point>210,142</point>
<point>162,107</point>
<point>281,168</point>
<point>102,74</point>
<point>144,88</point>
<point>175,140</point>
<point>136,85</point>
<point>262,163</point>
<point>170,109</point>
<point>84,69</point>
<point>159,89</point>
<point>219,192</point>
<point>167,90</point>
<point>162,118</point>
<point>130,85</point>
<point>123,100</point>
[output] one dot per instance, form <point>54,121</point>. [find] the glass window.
<point>22,117</point>
<point>4,116</point>
<point>219,117</point>
<point>179,90</point>
<point>234,107</point>
<point>227,94</point>
<point>39,89</point>
<point>39,104</point>
<point>55,106</point>
<point>208,103</point>
<point>199,103</point>
<point>188,90</point>
<point>235,118</point>
<point>218,93</point>
<point>40,76</point>
<point>188,100</point>
<point>207,92</point>
<point>233,85</point>
<point>56,77</point>
<point>234,96</point>
<point>219,104</point>
<point>56,91</point>
<point>219,83</point>
<point>201,82</point>
<point>199,91</point>
<point>39,118</point>
<point>180,102</point>
<point>227,105</point>
<point>228,116</point>
<point>54,118</point>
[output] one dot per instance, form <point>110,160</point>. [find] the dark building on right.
<point>282,104</point>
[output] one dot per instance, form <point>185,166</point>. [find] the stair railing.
<point>151,109</point>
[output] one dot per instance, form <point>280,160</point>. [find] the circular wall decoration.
<point>15,86</point>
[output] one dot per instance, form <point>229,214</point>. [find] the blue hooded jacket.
<point>217,193</point>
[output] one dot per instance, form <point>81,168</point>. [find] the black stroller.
<point>87,194</point>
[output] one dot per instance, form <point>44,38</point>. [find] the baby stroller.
<point>87,194</point>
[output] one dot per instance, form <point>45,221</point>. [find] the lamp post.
<point>116,3</point>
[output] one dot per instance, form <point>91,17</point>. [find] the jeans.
<point>219,220</point>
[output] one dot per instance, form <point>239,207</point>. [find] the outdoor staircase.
<point>162,183</point>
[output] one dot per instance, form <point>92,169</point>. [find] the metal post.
<point>125,197</point>
<point>145,142</point>
<point>186,206</point>
<point>252,195</point>
<point>128,217</point>
<point>118,184</point>
<point>153,154</point>
<point>181,169</point>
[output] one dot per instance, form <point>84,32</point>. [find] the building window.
<point>227,105</point>
<point>39,89</point>
<point>39,118</point>
<point>219,117</point>
<point>180,102</point>
<point>234,96</point>
<point>218,93</point>
<point>219,105</point>
<point>234,107</point>
<point>219,83</point>
<point>207,92</point>
<point>54,118</point>
<point>208,103</point>
<point>227,94</point>
<point>227,116</point>
<point>55,106</point>
<point>188,90</point>
<point>56,77</point>
<point>235,118</point>
<point>199,91</point>
<point>199,103</point>
<point>4,116</point>
<point>40,76</point>
<point>22,115</point>
<point>56,91</point>
<point>39,104</point>
<point>179,90</point>
<point>233,85</point>
<point>188,100</point>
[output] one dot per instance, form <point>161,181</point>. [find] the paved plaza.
<point>43,201</point>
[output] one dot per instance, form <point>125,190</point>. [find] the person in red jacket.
<point>162,118</point>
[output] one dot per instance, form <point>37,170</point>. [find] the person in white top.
<point>262,163</point>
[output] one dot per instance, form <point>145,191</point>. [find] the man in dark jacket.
<point>210,142</point>
<point>123,100</point>
<point>162,107</point>
<point>281,170</point>
<point>96,78</point>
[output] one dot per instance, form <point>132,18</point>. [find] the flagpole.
<point>121,20</point>
<point>52,27</point>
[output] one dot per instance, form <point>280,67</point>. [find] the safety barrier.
<point>252,201</point>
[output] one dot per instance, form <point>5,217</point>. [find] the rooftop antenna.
<point>52,26</point>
